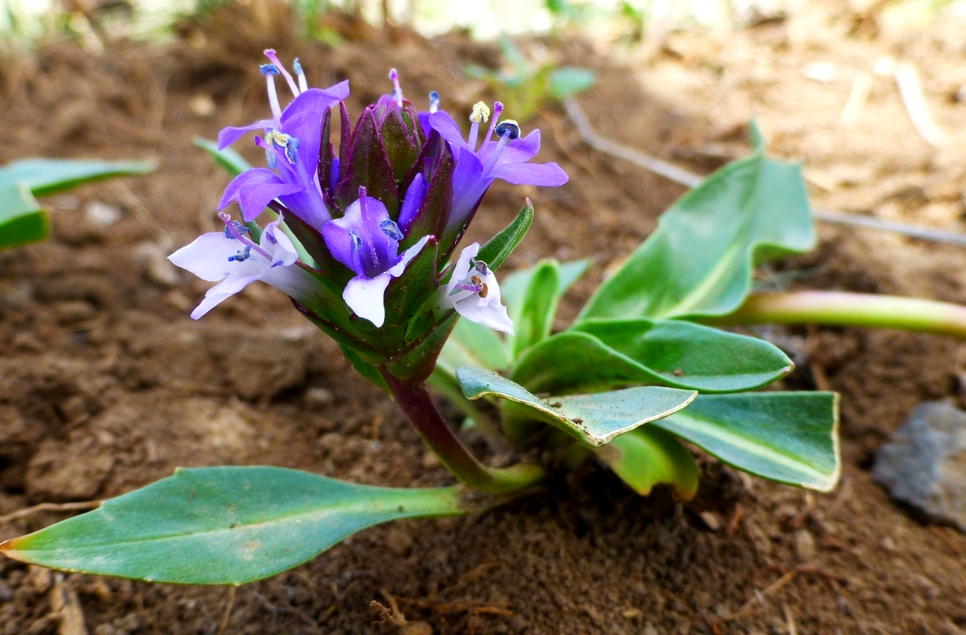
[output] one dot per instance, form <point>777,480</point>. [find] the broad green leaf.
<point>496,250</point>
<point>229,159</point>
<point>473,344</point>
<point>514,287</point>
<point>699,261</point>
<point>223,525</point>
<point>533,317</point>
<point>45,176</point>
<point>569,80</point>
<point>649,456</point>
<point>605,353</point>
<point>593,419</point>
<point>790,437</point>
<point>22,220</point>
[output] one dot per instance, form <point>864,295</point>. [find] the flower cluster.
<point>364,232</point>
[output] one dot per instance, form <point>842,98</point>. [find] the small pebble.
<point>399,541</point>
<point>6,593</point>
<point>318,397</point>
<point>430,460</point>
<point>804,545</point>
<point>101,214</point>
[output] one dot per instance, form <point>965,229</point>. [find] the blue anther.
<point>291,149</point>
<point>242,255</point>
<point>356,241</point>
<point>241,229</point>
<point>508,128</point>
<point>391,229</point>
<point>297,67</point>
<point>269,69</point>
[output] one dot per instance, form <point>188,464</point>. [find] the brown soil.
<point>107,385</point>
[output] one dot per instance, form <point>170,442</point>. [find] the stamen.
<point>391,229</point>
<point>481,268</point>
<point>303,83</point>
<point>396,90</point>
<point>508,127</point>
<point>241,255</point>
<point>239,228</point>
<point>356,241</point>
<point>480,114</point>
<point>292,149</point>
<point>230,227</point>
<point>497,109</point>
<point>270,71</point>
<point>433,102</point>
<point>472,288</point>
<point>270,54</point>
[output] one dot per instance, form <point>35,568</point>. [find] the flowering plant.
<point>362,241</point>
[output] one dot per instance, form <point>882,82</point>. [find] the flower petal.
<point>366,297</point>
<point>207,257</point>
<point>278,245</point>
<point>231,134</point>
<point>221,292</point>
<point>489,314</point>
<point>462,268</point>
<point>254,189</point>
<point>545,174</point>
<point>448,129</point>
<point>415,196</point>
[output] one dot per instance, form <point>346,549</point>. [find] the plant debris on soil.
<point>106,384</point>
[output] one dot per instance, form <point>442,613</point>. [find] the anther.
<point>292,148</point>
<point>508,128</point>
<point>238,229</point>
<point>433,101</point>
<point>269,69</point>
<point>391,229</point>
<point>241,255</point>
<point>481,268</point>
<point>300,74</point>
<point>481,113</point>
<point>356,241</point>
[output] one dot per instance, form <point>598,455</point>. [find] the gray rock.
<point>924,465</point>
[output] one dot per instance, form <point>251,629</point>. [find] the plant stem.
<point>488,430</point>
<point>836,308</point>
<point>414,400</point>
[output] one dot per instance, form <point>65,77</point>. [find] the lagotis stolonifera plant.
<point>366,241</point>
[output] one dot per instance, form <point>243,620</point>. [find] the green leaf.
<point>45,176</point>
<point>22,220</point>
<point>223,525</point>
<point>533,317</point>
<point>649,456</point>
<point>568,81</point>
<point>790,437</point>
<point>604,353</point>
<point>513,289</point>
<point>229,159</point>
<point>699,261</point>
<point>473,344</point>
<point>496,250</point>
<point>592,419</point>
<point>365,369</point>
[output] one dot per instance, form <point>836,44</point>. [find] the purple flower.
<point>507,159</point>
<point>366,241</point>
<point>235,261</point>
<point>474,292</point>
<point>292,142</point>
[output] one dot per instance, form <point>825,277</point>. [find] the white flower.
<point>474,292</point>
<point>234,261</point>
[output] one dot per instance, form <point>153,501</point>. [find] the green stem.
<point>414,400</point>
<point>836,308</point>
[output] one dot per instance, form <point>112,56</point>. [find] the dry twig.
<point>49,507</point>
<point>679,175</point>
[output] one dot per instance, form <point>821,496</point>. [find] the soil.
<point>106,385</point>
